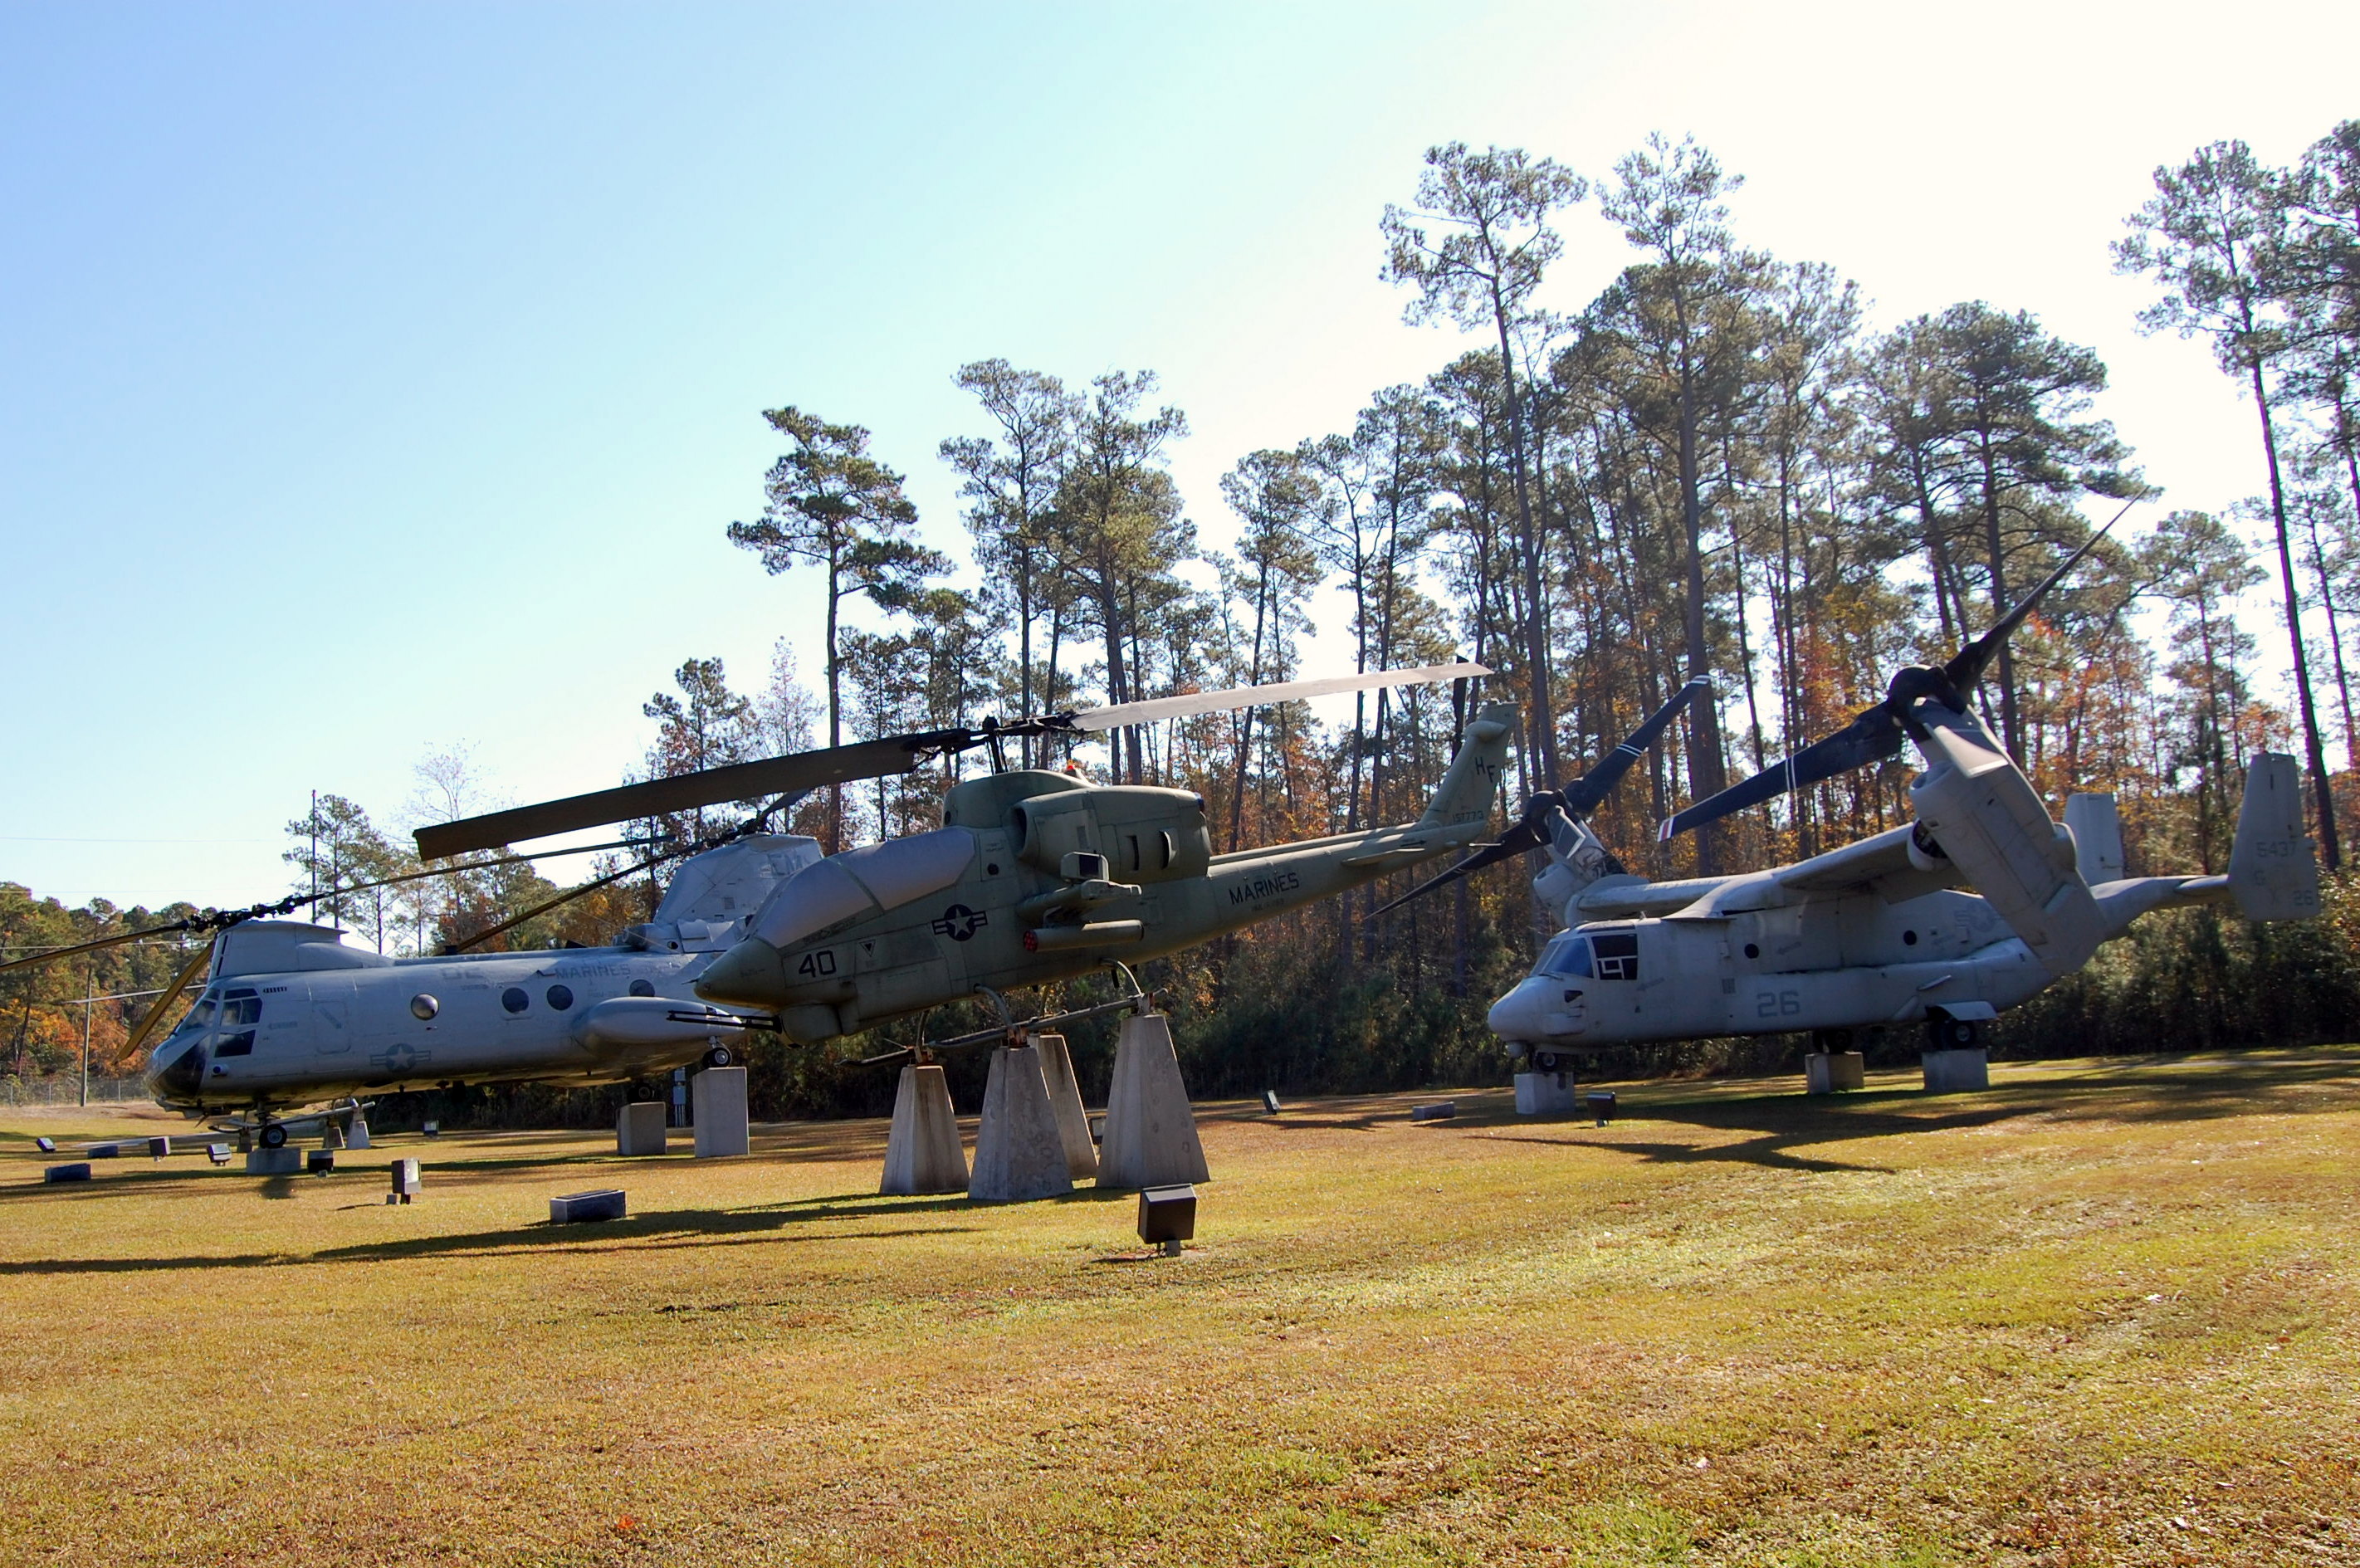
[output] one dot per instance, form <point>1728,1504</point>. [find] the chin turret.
<point>750,975</point>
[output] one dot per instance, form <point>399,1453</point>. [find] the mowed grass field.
<point>2105,1313</point>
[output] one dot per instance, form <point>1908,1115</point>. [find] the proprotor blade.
<point>738,781</point>
<point>1122,714</point>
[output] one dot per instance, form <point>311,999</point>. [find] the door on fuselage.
<point>1614,955</point>
<point>332,1023</point>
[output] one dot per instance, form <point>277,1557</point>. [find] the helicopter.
<point>1035,876</point>
<point>292,1015</point>
<point>1877,932</point>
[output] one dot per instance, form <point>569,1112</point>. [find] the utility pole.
<point>89,996</point>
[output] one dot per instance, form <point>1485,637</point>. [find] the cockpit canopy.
<point>863,882</point>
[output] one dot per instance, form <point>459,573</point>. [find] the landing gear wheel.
<point>1547,1061</point>
<point>1954,1034</point>
<point>721,1056</point>
<point>274,1136</point>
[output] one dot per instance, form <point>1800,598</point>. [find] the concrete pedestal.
<point>1827,1072</point>
<point>1065,1099</point>
<point>332,1137</point>
<point>1018,1154</point>
<point>639,1128</point>
<point>1151,1132</point>
<point>1546,1094</point>
<point>923,1152</point>
<point>356,1136</point>
<point>1955,1072</point>
<point>285,1160</point>
<point>717,1100</point>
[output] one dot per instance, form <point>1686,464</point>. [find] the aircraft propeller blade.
<point>805,770</point>
<point>1578,799</point>
<point>1877,733</point>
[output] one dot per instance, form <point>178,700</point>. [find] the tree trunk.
<point>2330,850</point>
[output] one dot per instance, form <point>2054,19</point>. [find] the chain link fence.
<point>66,1089</point>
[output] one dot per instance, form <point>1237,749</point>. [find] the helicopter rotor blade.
<point>167,1000</point>
<point>785,775</point>
<point>1093,720</point>
<point>1514,842</point>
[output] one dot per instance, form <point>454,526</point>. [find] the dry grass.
<point>2104,1314</point>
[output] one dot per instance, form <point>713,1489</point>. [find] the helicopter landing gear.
<point>1549,1062</point>
<point>272,1136</point>
<point>1947,1033</point>
<point>721,1056</point>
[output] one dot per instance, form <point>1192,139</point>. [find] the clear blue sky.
<point>374,378</point>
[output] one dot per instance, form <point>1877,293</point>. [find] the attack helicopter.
<point>1035,876</point>
<point>1878,932</point>
<point>290,1015</point>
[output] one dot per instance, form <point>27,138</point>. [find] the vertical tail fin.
<point>1466,792</point>
<point>2097,837</point>
<point>2273,871</point>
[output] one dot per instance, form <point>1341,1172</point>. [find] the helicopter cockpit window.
<point>881,877</point>
<point>1566,958</point>
<point>240,1011</point>
<point>1618,954</point>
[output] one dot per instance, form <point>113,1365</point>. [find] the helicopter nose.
<point>1516,1016</point>
<point>750,975</point>
<point>176,1074</point>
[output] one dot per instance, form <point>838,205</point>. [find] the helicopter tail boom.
<point>1464,797</point>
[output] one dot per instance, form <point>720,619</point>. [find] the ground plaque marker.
<point>575,1208</point>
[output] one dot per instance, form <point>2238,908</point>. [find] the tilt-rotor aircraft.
<point>290,1015</point>
<point>1878,932</point>
<point>1035,876</point>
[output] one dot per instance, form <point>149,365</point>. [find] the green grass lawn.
<point>2104,1312</point>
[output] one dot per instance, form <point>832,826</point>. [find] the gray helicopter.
<point>292,1015</point>
<point>1878,932</point>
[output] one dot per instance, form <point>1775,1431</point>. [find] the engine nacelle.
<point>1146,834</point>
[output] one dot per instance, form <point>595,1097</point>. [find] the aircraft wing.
<point>1879,864</point>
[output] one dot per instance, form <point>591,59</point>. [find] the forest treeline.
<point>1716,465</point>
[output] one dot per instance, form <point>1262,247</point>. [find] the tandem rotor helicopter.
<point>1875,933</point>
<point>1036,876</point>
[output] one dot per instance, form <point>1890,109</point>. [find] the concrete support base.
<point>1827,1072</point>
<point>639,1128</point>
<point>1065,1099</point>
<point>357,1136</point>
<point>332,1137</point>
<point>1546,1094</point>
<point>1151,1132</point>
<point>285,1160</point>
<point>718,1103</point>
<point>923,1152</point>
<point>1956,1072</point>
<point>1019,1154</point>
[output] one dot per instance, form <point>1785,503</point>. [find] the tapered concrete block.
<point>639,1128</point>
<point>1065,1099</point>
<point>1833,1072</point>
<point>922,1151</point>
<point>332,1137</point>
<point>717,1097</point>
<point>1546,1094</point>
<point>1151,1132</point>
<point>357,1135</point>
<point>1955,1072</point>
<point>1018,1154</point>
